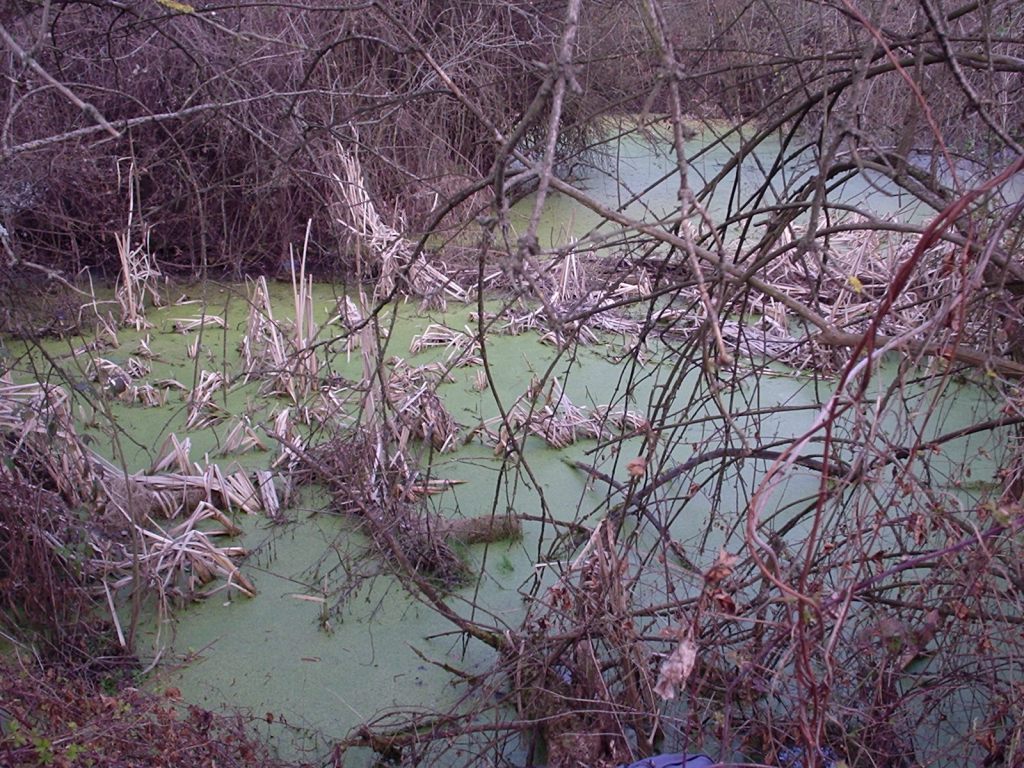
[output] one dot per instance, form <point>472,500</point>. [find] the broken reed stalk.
<point>350,318</point>
<point>410,392</point>
<point>242,438</point>
<point>463,346</point>
<point>263,347</point>
<point>549,413</point>
<point>303,363</point>
<point>393,254</point>
<point>138,274</point>
<point>189,324</point>
<point>38,433</point>
<point>256,341</point>
<point>202,410</point>
<point>284,358</point>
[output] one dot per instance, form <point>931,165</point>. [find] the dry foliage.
<point>119,540</point>
<point>55,718</point>
<point>875,612</point>
<point>225,123</point>
<point>43,546</point>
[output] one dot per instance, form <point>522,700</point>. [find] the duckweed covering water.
<point>333,640</point>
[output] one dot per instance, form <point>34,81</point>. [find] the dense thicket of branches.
<point>221,120</point>
<point>876,617</point>
<point>878,614</point>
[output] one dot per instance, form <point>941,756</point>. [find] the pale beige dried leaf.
<point>676,669</point>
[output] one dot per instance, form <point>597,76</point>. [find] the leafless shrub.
<point>42,548</point>
<point>849,588</point>
<point>229,118</point>
<point>859,617</point>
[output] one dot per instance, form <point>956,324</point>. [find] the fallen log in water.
<point>485,529</point>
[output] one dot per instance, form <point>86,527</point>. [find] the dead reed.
<point>545,411</point>
<point>392,254</point>
<point>282,355</point>
<point>44,447</point>
<point>139,275</point>
<point>462,347</point>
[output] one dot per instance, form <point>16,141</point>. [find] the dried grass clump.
<point>843,279</point>
<point>282,354</point>
<point>262,345</point>
<point>394,258</point>
<point>569,311</point>
<point>580,297</point>
<point>552,416</point>
<point>139,275</point>
<point>548,413</point>
<point>463,347</point>
<point>124,540</point>
<point>291,443</point>
<point>350,317</point>
<point>119,382</point>
<point>38,433</point>
<point>411,392</point>
<point>242,438</point>
<point>347,464</point>
<point>202,411</point>
<point>183,560</point>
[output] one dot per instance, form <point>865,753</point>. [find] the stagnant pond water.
<point>637,173</point>
<point>273,655</point>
